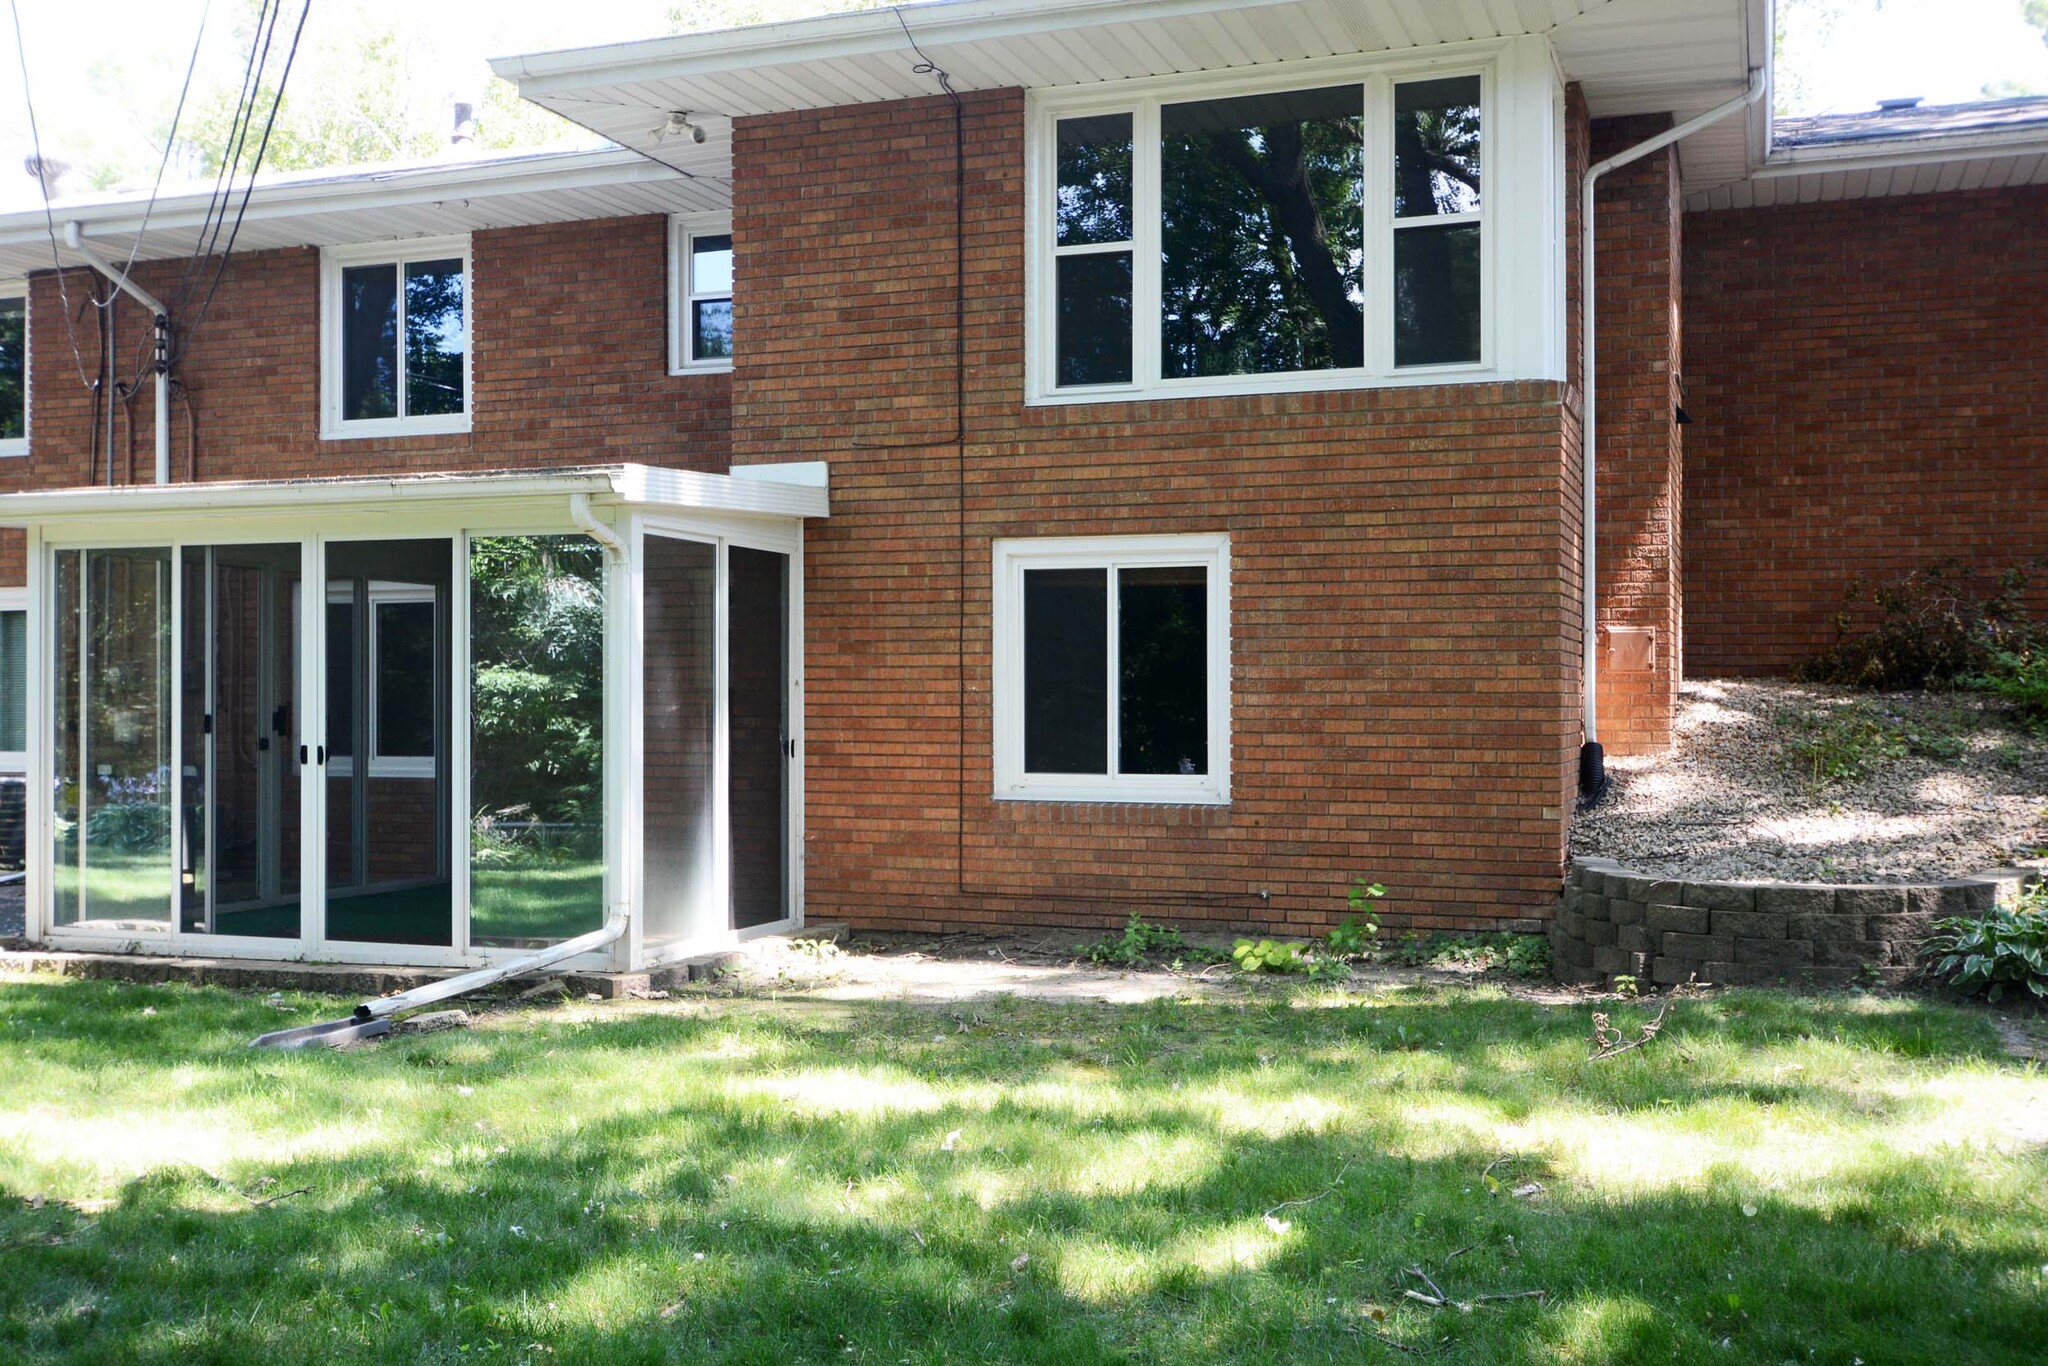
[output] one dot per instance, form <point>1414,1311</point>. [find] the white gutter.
<point>1591,768</point>
<point>587,523</point>
<point>483,977</point>
<point>161,318</point>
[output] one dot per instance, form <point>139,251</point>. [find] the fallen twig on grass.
<point>1439,1299</point>
<point>1609,1042</point>
<point>277,1199</point>
<point>1349,1163</point>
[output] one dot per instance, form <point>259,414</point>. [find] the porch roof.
<point>760,490</point>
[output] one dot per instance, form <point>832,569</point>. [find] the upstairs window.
<point>395,354</point>
<point>700,294</point>
<point>1304,236</point>
<point>13,368</point>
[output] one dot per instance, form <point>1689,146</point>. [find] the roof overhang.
<point>1631,57</point>
<point>776,491</point>
<point>331,208</point>
<point>1875,155</point>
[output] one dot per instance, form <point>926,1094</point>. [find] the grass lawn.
<point>1772,1180</point>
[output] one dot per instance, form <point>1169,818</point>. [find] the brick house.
<point>986,464</point>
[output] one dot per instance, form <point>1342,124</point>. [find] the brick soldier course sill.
<point>1615,921</point>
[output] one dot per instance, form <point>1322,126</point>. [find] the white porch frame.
<point>761,508</point>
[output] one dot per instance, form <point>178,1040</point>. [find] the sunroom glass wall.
<point>111,747</point>
<point>536,807</point>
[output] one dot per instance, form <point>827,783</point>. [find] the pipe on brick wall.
<point>1592,759</point>
<point>161,319</point>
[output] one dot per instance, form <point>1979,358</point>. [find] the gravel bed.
<point>1950,784</point>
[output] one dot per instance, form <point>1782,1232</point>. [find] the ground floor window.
<point>1112,669</point>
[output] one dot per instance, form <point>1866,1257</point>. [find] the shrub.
<point>1268,955</point>
<point>1139,943</point>
<point>1357,935</point>
<point>2020,677</point>
<point>1984,955</point>
<point>1933,627</point>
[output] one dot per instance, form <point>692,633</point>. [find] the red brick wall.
<point>1402,706</point>
<point>1869,383</point>
<point>1640,477</point>
<point>570,366</point>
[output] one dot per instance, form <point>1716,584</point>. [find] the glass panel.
<point>341,691</point>
<point>1094,180</point>
<point>679,605</point>
<point>388,832</point>
<point>711,329</point>
<point>1436,147</point>
<point>758,703</point>
<point>537,739</point>
<point>113,827</point>
<point>1436,295</point>
<point>369,342</point>
<point>193,738</point>
<point>711,264</point>
<point>251,852</point>
<point>14,682</point>
<point>1095,318</point>
<point>405,657</point>
<point>1163,670</point>
<point>434,342</point>
<point>1262,255</point>
<point>66,743</point>
<point>1066,671</point>
<point>13,368</point>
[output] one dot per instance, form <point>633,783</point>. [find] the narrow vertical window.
<point>369,342</point>
<point>435,344</point>
<point>13,374</point>
<point>1436,222</point>
<point>14,689</point>
<point>711,297</point>
<point>1066,671</point>
<point>1262,262</point>
<point>1093,251</point>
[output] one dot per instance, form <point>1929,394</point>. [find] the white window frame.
<point>397,254</point>
<point>683,231</point>
<point>18,445</point>
<point>16,761</point>
<point>1521,215</point>
<point>384,765</point>
<point>1209,551</point>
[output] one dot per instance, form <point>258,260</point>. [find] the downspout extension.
<point>1592,758</point>
<point>161,362</point>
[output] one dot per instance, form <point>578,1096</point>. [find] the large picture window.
<point>1314,234</point>
<point>395,353</point>
<point>1112,669</point>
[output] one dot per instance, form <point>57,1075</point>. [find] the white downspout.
<point>587,523</point>
<point>162,362</point>
<point>1592,765</point>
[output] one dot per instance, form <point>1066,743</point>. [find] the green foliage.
<point>1136,947</point>
<point>1519,955</point>
<point>137,827</point>
<point>2020,678</point>
<point>1984,955</point>
<point>537,705</point>
<point>1851,741</point>
<point>1934,626</point>
<point>1625,984</point>
<point>1269,955</point>
<point>1356,935</point>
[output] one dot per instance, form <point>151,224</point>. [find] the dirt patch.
<point>973,966</point>
<point>1800,783</point>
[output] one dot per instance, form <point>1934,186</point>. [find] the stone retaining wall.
<point>1666,931</point>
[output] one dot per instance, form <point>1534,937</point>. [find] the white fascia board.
<point>1926,151</point>
<point>799,496</point>
<point>761,493</point>
<point>363,190</point>
<point>859,33</point>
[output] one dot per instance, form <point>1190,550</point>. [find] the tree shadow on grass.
<point>751,1203</point>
